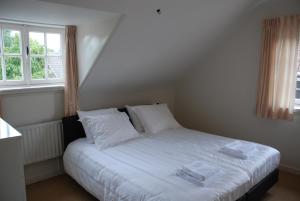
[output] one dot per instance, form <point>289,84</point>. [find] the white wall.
<point>148,49</point>
<point>219,95</point>
<point>147,52</point>
<point>30,108</point>
<point>49,13</point>
<point>162,94</point>
<point>91,39</point>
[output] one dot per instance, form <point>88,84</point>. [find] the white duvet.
<point>144,169</point>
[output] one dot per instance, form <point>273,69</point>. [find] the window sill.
<point>31,89</point>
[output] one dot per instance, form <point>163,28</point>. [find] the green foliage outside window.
<point>12,42</point>
<point>37,67</point>
<point>1,78</point>
<point>13,68</point>
<point>13,63</point>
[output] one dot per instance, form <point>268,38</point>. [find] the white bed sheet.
<point>144,169</point>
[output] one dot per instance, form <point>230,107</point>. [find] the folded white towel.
<point>238,149</point>
<point>189,178</point>
<point>196,172</point>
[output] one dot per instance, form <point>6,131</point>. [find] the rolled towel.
<point>197,172</point>
<point>238,149</point>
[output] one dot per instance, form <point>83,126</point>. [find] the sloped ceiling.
<point>49,13</point>
<point>150,49</point>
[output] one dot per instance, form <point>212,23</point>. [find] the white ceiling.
<point>49,13</point>
<point>150,49</point>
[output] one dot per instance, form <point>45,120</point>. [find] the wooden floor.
<point>63,188</point>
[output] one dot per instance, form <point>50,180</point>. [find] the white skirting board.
<point>289,169</point>
<point>43,170</point>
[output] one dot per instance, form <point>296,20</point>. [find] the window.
<point>298,89</point>
<point>297,102</point>
<point>31,55</point>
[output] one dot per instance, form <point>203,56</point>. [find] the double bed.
<point>144,169</point>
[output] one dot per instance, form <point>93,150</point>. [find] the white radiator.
<point>41,141</point>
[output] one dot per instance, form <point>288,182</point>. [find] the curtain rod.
<point>21,22</point>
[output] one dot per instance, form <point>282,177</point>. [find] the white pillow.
<point>83,114</point>
<point>110,129</point>
<point>134,118</point>
<point>156,118</point>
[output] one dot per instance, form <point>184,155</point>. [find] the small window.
<point>31,55</point>
<point>298,89</point>
<point>297,101</point>
<point>11,59</point>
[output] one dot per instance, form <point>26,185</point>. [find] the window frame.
<point>62,41</point>
<point>2,54</point>
<point>27,80</point>
<point>297,101</point>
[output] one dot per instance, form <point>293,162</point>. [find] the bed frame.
<point>73,130</point>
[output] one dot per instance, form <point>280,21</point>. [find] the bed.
<point>144,168</point>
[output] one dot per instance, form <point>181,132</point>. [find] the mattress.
<point>144,169</point>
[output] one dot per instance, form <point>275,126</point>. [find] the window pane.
<point>12,41</point>
<point>1,48</point>
<point>1,78</point>
<point>298,84</point>
<point>55,67</point>
<point>37,67</point>
<point>298,94</point>
<point>53,44</point>
<point>13,68</point>
<point>36,43</point>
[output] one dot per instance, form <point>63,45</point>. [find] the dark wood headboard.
<point>73,128</point>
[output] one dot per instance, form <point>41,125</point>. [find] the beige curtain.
<point>277,84</point>
<point>71,78</point>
